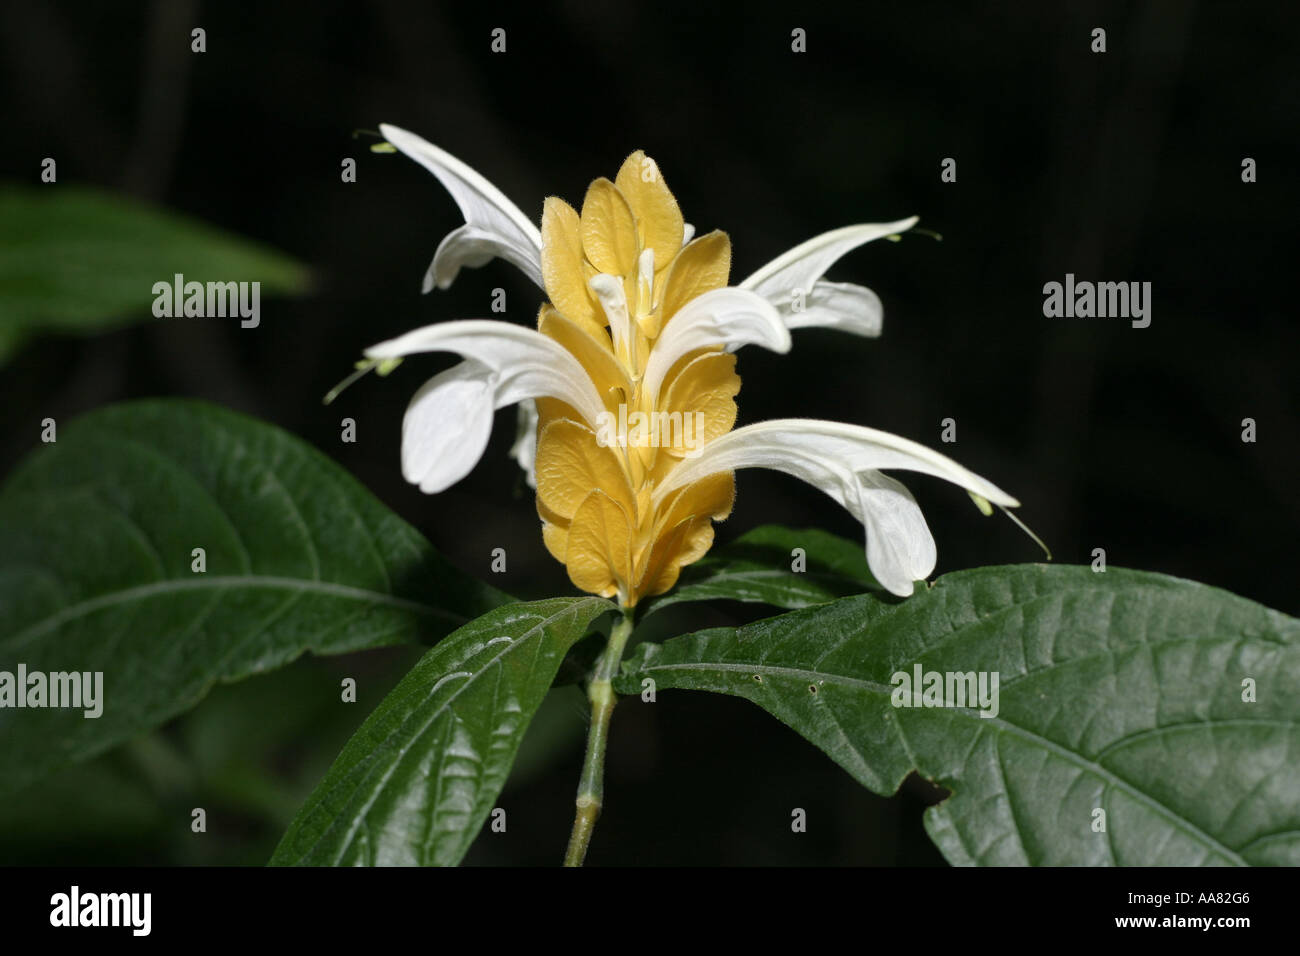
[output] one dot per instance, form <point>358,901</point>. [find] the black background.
<point>1087,901</point>
<point>1122,166</point>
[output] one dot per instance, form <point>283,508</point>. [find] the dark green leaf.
<point>97,539</point>
<point>1121,691</point>
<point>77,260</point>
<point>417,781</point>
<point>759,568</point>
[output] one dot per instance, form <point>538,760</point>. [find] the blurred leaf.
<point>758,568</point>
<point>420,777</point>
<point>97,533</point>
<point>262,744</point>
<point>77,260</point>
<point>557,729</point>
<point>83,811</point>
<point>1120,691</point>
<point>249,753</point>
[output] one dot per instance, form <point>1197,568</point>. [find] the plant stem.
<point>591,786</point>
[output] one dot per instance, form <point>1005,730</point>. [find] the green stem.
<point>591,786</point>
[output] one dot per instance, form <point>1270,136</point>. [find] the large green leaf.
<point>1119,691</point>
<point>420,777</point>
<point>97,534</point>
<point>74,259</point>
<point>759,568</point>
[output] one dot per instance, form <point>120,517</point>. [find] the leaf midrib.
<point>257,582</point>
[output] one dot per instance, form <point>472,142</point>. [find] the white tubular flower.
<point>793,282</point>
<point>449,420</point>
<point>627,387</point>
<point>724,318</point>
<point>843,461</point>
<point>494,226</point>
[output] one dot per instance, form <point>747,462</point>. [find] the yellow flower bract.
<point>594,498</point>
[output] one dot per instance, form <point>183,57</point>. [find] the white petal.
<point>494,226</point>
<point>796,273</point>
<point>523,362</point>
<point>446,427</point>
<point>843,461</point>
<point>900,548</point>
<point>524,450</point>
<point>836,305</point>
<point>613,300</point>
<point>645,284</point>
<point>821,444</point>
<point>727,317</point>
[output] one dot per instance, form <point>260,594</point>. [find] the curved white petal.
<point>836,305</point>
<point>794,276</point>
<point>524,450</point>
<point>494,226</point>
<point>900,548</point>
<point>446,427</point>
<point>727,317</point>
<point>523,363</point>
<point>843,461</point>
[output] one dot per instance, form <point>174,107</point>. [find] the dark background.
<point>1122,166</point>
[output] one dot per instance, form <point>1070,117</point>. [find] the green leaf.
<point>416,783</point>
<point>758,568</point>
<point>1121,691</point>
<point>78,260</point>
<point>98,533</point>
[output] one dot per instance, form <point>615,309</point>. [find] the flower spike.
<point>626,389</point>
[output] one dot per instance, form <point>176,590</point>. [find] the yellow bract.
<point>594,485</point>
